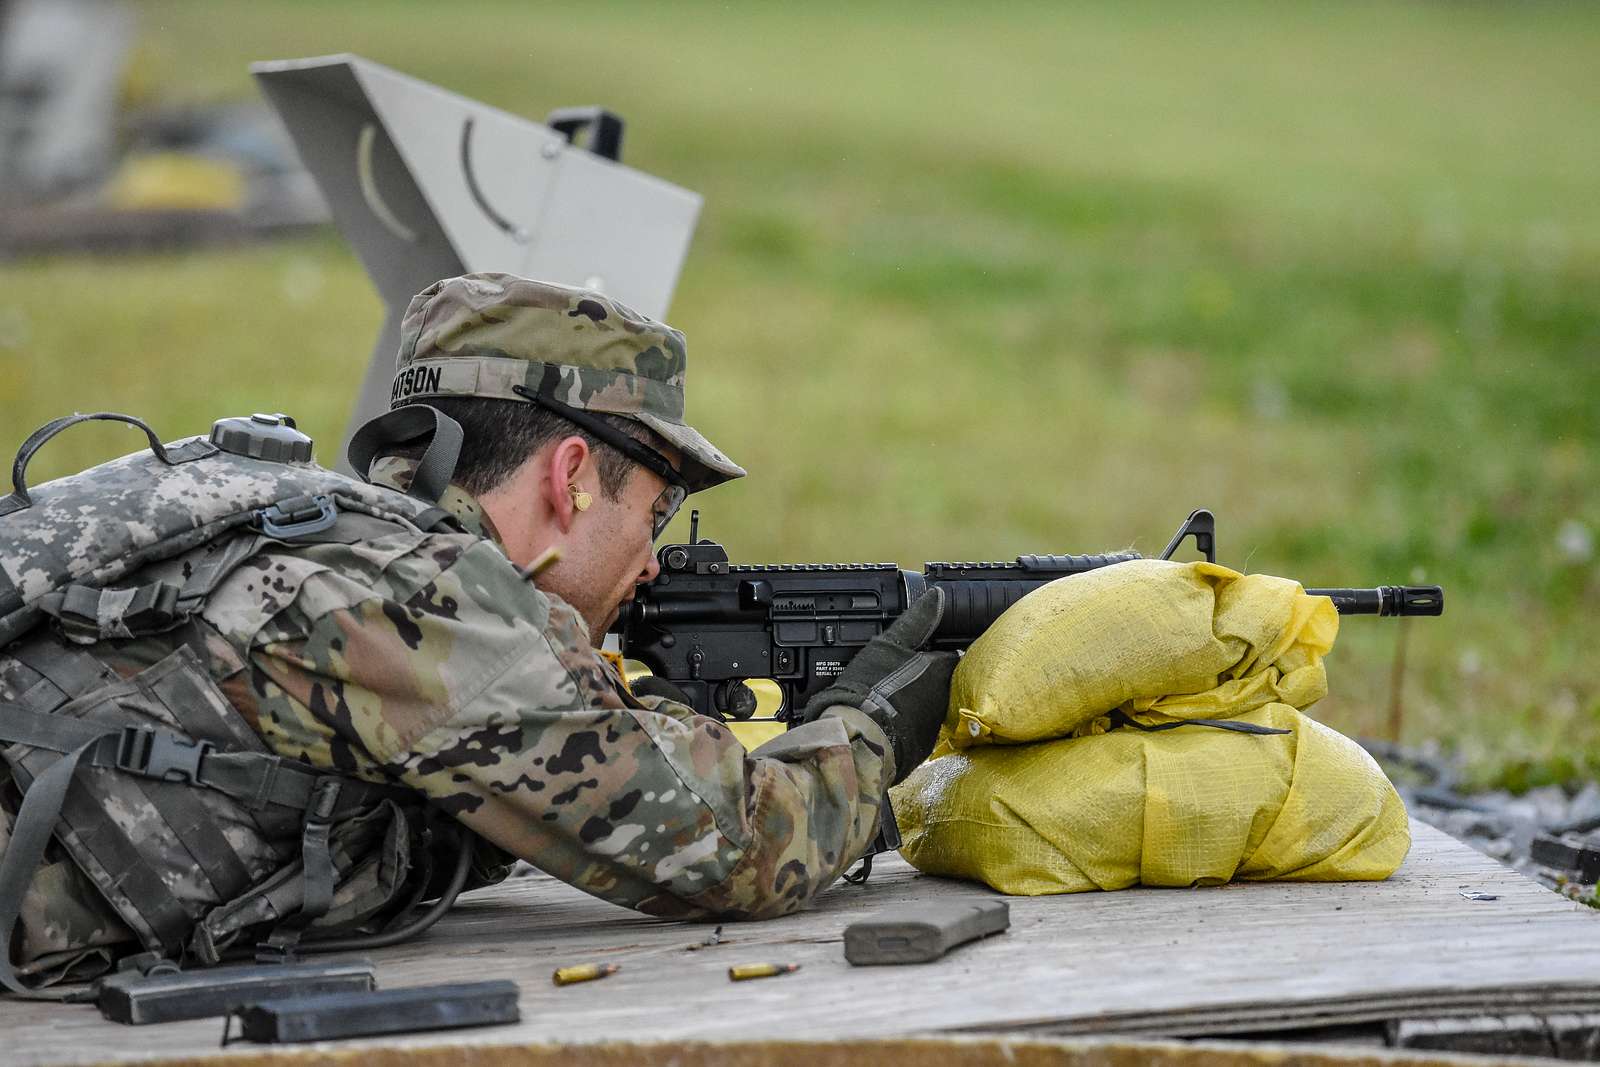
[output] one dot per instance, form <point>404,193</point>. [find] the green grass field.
<point>975,280</point>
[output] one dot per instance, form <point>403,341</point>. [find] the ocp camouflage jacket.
<point>426,659</point>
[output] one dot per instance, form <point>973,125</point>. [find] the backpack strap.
<point>89,613</point>
<point>437,520</point>
<point>54,674</point>
<point>252,777</point>
<point>10,595</point>
<point>30,834</point>
<point>317,872</point>
<point>414,422</point>
<point>255,778</point>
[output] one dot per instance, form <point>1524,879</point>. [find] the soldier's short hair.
<point>500,435</point>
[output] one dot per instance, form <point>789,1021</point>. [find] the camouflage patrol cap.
<point>483,334</point>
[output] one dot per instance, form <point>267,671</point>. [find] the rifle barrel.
<point>1386,600</point>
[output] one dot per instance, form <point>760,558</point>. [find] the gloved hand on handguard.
<point>903,688</point>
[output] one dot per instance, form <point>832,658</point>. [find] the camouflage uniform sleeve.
<point>452,674</point>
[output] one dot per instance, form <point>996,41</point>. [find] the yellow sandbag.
<point>1190,806</point>
<point>1175,640</point>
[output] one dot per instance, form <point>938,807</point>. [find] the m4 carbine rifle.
<point>707,625</point>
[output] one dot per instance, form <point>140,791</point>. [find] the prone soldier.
<point>322,696</point>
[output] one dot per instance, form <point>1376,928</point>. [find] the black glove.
<point>903,689</point>
<point>651,685</point>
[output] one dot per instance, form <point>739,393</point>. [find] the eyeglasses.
<point>677,490</point>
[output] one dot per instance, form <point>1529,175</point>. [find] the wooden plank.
<point>1321,1012</point>
<point>947,1051</point>
<point>1255,956</point>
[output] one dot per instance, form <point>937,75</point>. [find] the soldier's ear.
<point>567,457</point>
<point>572,452</point>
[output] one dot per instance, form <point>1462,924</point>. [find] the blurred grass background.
<point>976,280</point>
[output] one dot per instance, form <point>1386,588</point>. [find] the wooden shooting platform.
<point>1250,959</point>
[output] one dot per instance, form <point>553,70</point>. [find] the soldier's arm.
<point>484,693</point>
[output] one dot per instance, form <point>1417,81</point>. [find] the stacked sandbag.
<point>1060,768</point>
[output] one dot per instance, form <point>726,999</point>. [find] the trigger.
<point>738,701</point>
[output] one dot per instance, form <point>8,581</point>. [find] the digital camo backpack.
<point>158,793</point>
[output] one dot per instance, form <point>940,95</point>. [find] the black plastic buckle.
<point>153,753</point>
<point>297,517</point>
